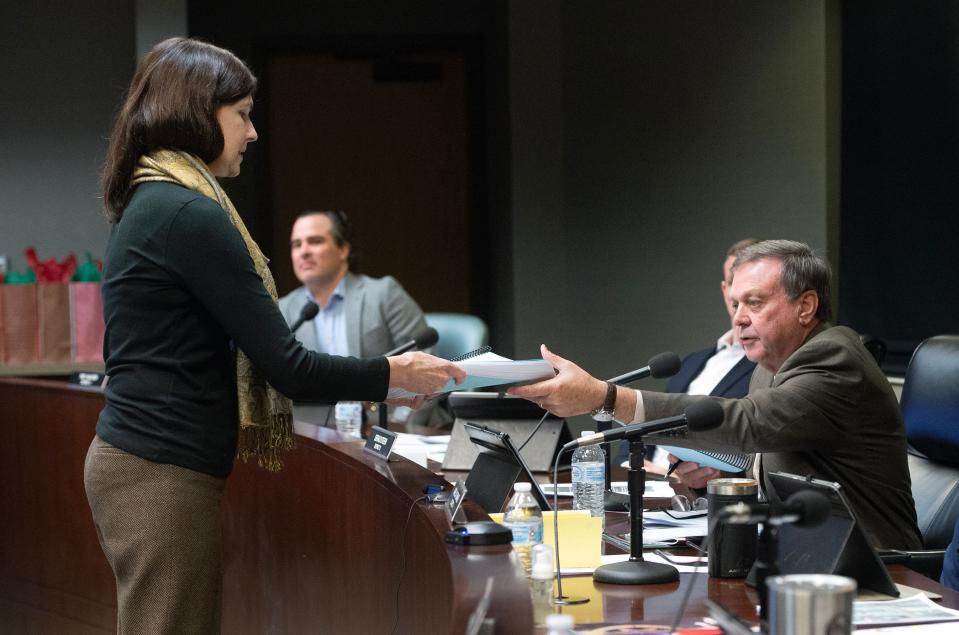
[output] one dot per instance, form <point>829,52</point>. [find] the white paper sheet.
<point>490,369</point>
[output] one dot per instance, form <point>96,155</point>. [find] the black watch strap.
<point>609,404</point>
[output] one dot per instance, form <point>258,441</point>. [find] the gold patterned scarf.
<point>266,419</point>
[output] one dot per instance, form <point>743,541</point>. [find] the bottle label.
<point>589,472</point>
<point>524,534</point>
<point>349,411</point>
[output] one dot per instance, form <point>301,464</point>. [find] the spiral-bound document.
<point>725,461</point>
<point>490,369</point>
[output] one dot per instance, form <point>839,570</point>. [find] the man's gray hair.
<point>802,269</point>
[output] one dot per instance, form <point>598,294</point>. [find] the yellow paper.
<point>580,537</point>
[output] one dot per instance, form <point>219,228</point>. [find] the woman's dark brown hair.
<point>172,103</point>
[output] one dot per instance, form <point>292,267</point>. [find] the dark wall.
<point>900,172</point>
<point>254,30</point>
<point>647,138</point>
<point>65,68</point>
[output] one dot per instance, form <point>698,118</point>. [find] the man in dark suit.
<point>818,404</point>
<point>722,370</point>
<point>950,564</point>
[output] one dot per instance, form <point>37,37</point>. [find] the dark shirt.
<point>950,565</point>
<point>178,287</point>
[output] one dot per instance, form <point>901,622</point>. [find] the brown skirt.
<point>160,528</point>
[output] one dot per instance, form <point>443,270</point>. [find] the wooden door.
<point>386,142</point>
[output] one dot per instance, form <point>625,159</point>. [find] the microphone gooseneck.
<point>812,507</point>
<point>426,338</point>
<point>423,338</point>
<point>704,415</point>
<point>664,365</point>
<point>805,508</point>
<point>701,415</point>
<point>659,366</point>
<point>307,313</point>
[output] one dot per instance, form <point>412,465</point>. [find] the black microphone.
<point>805,508</point>
<point>702,415</point>
<point>662,365</point>
<point>307,313</point>
<point>422,339</point>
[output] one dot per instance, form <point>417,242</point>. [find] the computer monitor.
<point>837,546</point>
<point>498,466</point>
<point>511,415</point>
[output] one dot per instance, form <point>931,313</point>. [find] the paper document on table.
<point>490,369</point>
<point>654,489</point>
<point>663,534</point>
<point>689,520</point>
<point>940,628</point>
<point>581,533</point>
<point>913,610</point>
<point>421,448</point>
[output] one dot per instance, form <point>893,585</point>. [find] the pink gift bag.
<point>86,312</point>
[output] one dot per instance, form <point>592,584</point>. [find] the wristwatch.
<point>609,405</point>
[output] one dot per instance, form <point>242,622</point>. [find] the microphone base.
<point>636,572</point>
<point>564,600</point>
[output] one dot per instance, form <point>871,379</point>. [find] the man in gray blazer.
<point>817,405</point>
<point>358,315</point>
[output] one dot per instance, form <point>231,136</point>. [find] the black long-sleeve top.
<point>178,286</point>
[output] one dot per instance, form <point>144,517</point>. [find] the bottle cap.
<point>522,487</point>
<point>557,621</point>
<point>541,558</point>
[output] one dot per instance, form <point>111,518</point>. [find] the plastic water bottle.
<point>349,417</point>
<point>559,624</point>
<point>541,581</point>
<point>525,519</point>
<point>589,478</point>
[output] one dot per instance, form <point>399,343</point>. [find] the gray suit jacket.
<point>829,412</point>
<point>380,315</point>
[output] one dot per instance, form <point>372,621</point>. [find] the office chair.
<point>930,410</point>
<point>875,346</point>
<point>459,333</point>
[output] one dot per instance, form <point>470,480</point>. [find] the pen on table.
<point>673,466</point>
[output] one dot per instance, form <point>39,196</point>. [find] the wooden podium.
<point>323,546</point>
<point>319,547</point>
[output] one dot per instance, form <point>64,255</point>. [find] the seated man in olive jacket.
<point>818,404</point>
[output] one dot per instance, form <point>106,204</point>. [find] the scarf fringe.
<point>265,443</point>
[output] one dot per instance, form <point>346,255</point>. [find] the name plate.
<point>380,442</point>
<point>87,378</point>
<point>454,513</point>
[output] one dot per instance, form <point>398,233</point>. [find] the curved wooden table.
<point>322,546</point>
<point>340,542</point>
<point>334,543</point>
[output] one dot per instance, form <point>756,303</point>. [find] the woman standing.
<point>200,360</point>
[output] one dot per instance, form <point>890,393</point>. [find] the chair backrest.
<point>459,333</point>
<point>930,410</point>
<point>875,346</point>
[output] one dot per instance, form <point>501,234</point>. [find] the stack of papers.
<point>490,369</point>
<point>914,610</point>
<point>654,489</point>
<point>420,448</point>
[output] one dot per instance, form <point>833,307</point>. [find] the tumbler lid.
<point>732,486</point>
<point>811,584</point>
